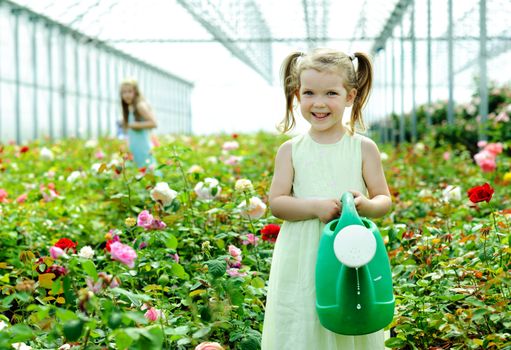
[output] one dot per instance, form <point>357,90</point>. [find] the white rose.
<point>243,185</point>
<point>384,156</point>
<point>212,160</point>
<point>46,154</point>
<point>425,193</point>
<point>230,145</point>
<point>73,176</point>
<point>419,147</point>
<point>195,169</point>
<point>208,189</point>
<point>95,167</point>
<point>254,210</point>
<point>21,346</point>
<point>86,252</point>
<point>451,193</point>
<point>91,143</point>
<point>163,193</point>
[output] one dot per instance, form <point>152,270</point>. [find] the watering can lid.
<point>354,246</point>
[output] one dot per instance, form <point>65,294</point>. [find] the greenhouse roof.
<point>253,31</point>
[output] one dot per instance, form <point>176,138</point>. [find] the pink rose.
<point>145,219</point>
<point>175,257</point>
<point>494,148</point>
<point>152,314</point>
<point>447,155</point>
<point>158,224</point>
<point>22,198</point>
<point>251,239</point>
<point>230,145</point>
<point>100,155</point>
<point>234,272</point>
<point>209,346</point>
<point>481,143</point>
<point>56,252</point>
<point>123,253</point>
<point>3,195</point>
<point>232,160</point>
<point>488,165</point>
<point>235,252</point>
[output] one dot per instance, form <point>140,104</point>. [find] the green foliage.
<point>450,259</point>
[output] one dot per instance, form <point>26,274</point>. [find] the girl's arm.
<point>149,122</point>
<point>286,207</point>
<point>379,202</point>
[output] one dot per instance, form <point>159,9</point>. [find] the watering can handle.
<point>349,215</point>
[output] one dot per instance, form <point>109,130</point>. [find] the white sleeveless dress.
<point>291,322</point>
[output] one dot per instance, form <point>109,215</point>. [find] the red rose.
<point>66,243</point>
<point>270,232</point>
<point>24,149</point>
<point>480,193</point>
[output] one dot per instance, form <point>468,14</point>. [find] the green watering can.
<point>353,278</point>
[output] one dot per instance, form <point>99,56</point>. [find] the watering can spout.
<point>353,280</point>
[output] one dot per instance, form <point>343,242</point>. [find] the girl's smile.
<point>320,116</point>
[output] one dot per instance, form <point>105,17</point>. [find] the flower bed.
<point>98,254</point>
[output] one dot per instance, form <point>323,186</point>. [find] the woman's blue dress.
<point>140,144</point>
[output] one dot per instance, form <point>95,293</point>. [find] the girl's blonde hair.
<point>330,61</point>
<point>138,98</point>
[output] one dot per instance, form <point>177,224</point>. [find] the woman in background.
<point>138,119</point>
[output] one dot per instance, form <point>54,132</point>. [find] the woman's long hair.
<point>137,99</point>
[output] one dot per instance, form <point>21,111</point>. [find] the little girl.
<point>311,173</point>
<point>138,119</point>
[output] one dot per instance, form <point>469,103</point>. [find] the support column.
<point>429,67</point>
<point>414,75</point>
<point>35,119</point>
<point>402,67</point>
<point>450,64</point>
<point>17,74</point>
<point>63,87</point>
<point>483,79</point>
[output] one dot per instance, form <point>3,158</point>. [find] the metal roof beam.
<point>227,20</point>
<point>316,21</point>
<point>395,17</point>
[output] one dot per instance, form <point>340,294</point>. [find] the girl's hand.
<point>362,203</point>
<point>327,209</point>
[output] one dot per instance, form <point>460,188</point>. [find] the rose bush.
<point>145,267</point>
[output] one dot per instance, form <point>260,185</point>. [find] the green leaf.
<point>178,271</point>
<point>90,269</point>
<point>21,333</point>
<point>136,299</point>
<point>201,332</point>
<point>68,291</point>
<point>257,282</point>
<point>250,342</point>
<point>73,329</point>
<point>123,340</point>
<point>394,343</point>
<point>217,268</point>
<point>171,241</point>
<point>136,316</point>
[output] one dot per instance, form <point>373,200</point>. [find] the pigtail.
<point>291,85</point>
<point>364,79</point>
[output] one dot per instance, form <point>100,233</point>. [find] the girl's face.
<point>128,94</point>
<point>323,98</point>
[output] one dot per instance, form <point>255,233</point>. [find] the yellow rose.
<point>507,177</point>
<point>130,222</point>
